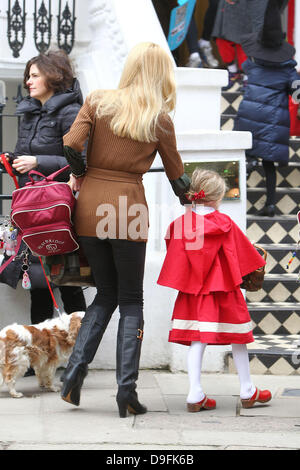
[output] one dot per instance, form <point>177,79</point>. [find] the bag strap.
<point>49,177</point>
<point>19,237</point>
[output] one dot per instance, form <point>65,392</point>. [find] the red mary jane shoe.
<point>260,396</point>
<point>205,404</point>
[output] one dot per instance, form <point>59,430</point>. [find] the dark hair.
<point>55,66</point>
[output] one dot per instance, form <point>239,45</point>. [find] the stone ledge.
<point>197,77</point>
<point>213,140</point>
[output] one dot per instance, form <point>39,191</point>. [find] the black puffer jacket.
<point>40,134</point>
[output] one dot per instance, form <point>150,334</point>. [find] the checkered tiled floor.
<point>272,344</point>
<point>275,309</point>
<point>275,318</point>
<point>270,354</point>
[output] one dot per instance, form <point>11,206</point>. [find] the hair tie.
<point>197,196</point>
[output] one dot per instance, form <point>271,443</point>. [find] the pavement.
<point>41,420</point>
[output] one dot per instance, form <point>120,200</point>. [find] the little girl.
<point>207,271</point>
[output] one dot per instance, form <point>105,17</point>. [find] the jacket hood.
<point>194,229</point>
<point>216,223</point>
<point>58,100</point>
<point>212,224</point>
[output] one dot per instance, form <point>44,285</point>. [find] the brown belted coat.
<point>112,200</point>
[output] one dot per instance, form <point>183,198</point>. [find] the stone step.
<point>280,229</point>
<point>279,256</point>
<point>287,200</point>
<point>286,176</point>
<point>271,354</point>
<point>277,288</point>
<point>230,103</point>
<point>275,318</point>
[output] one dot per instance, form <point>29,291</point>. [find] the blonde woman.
<point>125,128</point>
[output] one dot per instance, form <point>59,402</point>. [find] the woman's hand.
<point>75,183</point>
<point>24,163</point>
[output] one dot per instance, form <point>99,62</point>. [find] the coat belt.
<point>112,175</point>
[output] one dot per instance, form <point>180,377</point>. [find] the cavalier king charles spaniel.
<point>44,347</point>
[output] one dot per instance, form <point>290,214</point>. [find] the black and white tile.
<point>275,309</point>
<point>272,354</point>
<point>273,230</point>
<point>287,200</point>
<point>277,288</point>
<point>275,318</point>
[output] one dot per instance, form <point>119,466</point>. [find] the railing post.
<point>2,106</point>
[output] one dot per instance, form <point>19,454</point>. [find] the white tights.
<point>194,363</point>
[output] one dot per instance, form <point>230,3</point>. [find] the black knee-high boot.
<point>90,334</point>
<point>129,341</point>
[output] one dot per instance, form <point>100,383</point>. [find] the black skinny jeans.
<point>118,270</point>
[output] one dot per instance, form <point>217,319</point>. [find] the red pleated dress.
<point>207,256</point>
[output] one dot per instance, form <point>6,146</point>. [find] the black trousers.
<point>42,303</point>
<point>209,19</point>
<point>118,270</point>
<point>270,172</point>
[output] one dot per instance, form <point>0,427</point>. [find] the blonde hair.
<point>146,89</point>
<point>213,185</point>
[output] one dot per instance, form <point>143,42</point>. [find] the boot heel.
<point>122,409</point>
<point>73,381</point>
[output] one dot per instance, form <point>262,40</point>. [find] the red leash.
<point>9,170</point>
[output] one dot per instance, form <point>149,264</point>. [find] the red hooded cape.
<point>219,265</point>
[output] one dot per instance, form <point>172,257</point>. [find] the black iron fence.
<point>16,119</point>
<point>43,21</point>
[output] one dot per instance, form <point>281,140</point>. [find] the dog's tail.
<point>2,359</point>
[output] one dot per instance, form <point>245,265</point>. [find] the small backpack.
<point>42,211</point>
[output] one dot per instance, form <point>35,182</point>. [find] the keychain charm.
<point>26,284</point>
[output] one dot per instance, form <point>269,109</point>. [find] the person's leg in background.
<point>100,258</point>
<point>227,51</point>
<point>251,164</point>
<point>163,10</point>
<point>241,58</point>
<point>193,46</point>
<point>206,51</point>
<point>270,173</point>
<point>73,299</point>
<point>41,308</point>
<point>129,258</point>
